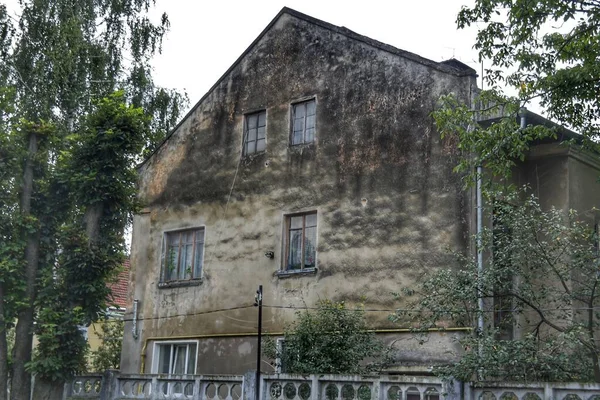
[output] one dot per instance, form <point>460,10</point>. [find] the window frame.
<point>164,281</point>
<point>247,115</point>
<point>293,105</point>
<point>170,387</point>
<point>287,220</point>
<point>156,355</point>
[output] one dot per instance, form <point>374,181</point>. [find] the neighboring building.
<point>117,305</point>
<point>312,167</point>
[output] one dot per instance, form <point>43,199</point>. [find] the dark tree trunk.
<point>3,349</point>
<point>21,379</point>
<point>594,353</point>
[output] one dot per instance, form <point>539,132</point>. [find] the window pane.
<point>251,135</point>
<point>309,137</point>
<point>311,107</point>
<point>179,359</point>
<point>298,125</point>
<point>311,220</point>
<point>310,122</point>
<point>191,367</point>
<point>198,260</point>
<point>252,119</point>
<point>299,110</point>
<point>249,148</point>
<point>262,119</point>
<point>172,261</point>
<point>297,138</point>
<point>260,145</point>
<point>186,263</point>
<point>261,132</point>
<point>164,359</point>
<point>310,250</point>
<point>295,250</point>
<point>296,222</point>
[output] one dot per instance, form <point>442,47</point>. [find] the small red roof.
<point>119,287</point>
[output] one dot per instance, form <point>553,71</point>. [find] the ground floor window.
<point>174,358</point>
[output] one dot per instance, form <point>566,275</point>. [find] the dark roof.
<point>452,66</point>
<point>118,288</point>
<point>534,119</point>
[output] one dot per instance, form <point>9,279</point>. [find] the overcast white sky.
<point>206,37</point>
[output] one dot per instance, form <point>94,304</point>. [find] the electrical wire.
<point>191,314</point>
<point>391,311</point>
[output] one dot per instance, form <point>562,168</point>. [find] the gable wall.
<point>375,141</point>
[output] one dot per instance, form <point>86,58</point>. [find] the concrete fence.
<point>114,386</point>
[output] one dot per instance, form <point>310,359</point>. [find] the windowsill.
<point>301,146</point>
<point>180,283</point>
<point>252,156</point>
<point>296,272</point>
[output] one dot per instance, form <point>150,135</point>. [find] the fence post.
<point>155,388</point>
<point>468,391</point>
<point>454,389</point>
<point>249,386</point>
<point>375,395</point>
<point>315,390</point>
<point>68,389</point>
<point>108,391</point>
<point>548,391</point>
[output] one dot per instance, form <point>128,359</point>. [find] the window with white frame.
<point>175,358</point>
<point>255,126</point>
<point>303,122</point>
<point>183,253</point>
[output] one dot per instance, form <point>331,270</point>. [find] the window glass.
<point>303,122</point>
<point>301,240</point>
<point>255,133</point>
<point>183,255</point>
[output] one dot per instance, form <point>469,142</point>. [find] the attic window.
<point>255,132</point>
<point>303,122</point>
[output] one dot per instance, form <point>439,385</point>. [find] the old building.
<point>313,168</point>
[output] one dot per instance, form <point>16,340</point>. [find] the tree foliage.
<point>332,339</point>
<point>78,109</point>
<point>541,281</point>
<point>546,49</point>
<point>108,354</point>
<point>540,277</point>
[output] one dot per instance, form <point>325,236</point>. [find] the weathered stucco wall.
<point>375,141</point>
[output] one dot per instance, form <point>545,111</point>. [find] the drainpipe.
<point>523,115</point>
<point>134,331</point>
<point>480,305</point>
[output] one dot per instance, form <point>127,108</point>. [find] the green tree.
<point>546,49</point>
<point>69,140</point>
<point>108,354</point>
<point>542,274</point>
<point>332,339</point>
<point>542,279</point>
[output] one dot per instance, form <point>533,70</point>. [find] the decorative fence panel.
<point>337,387</point>
<point>113,386</point>
<point>534,391</point>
